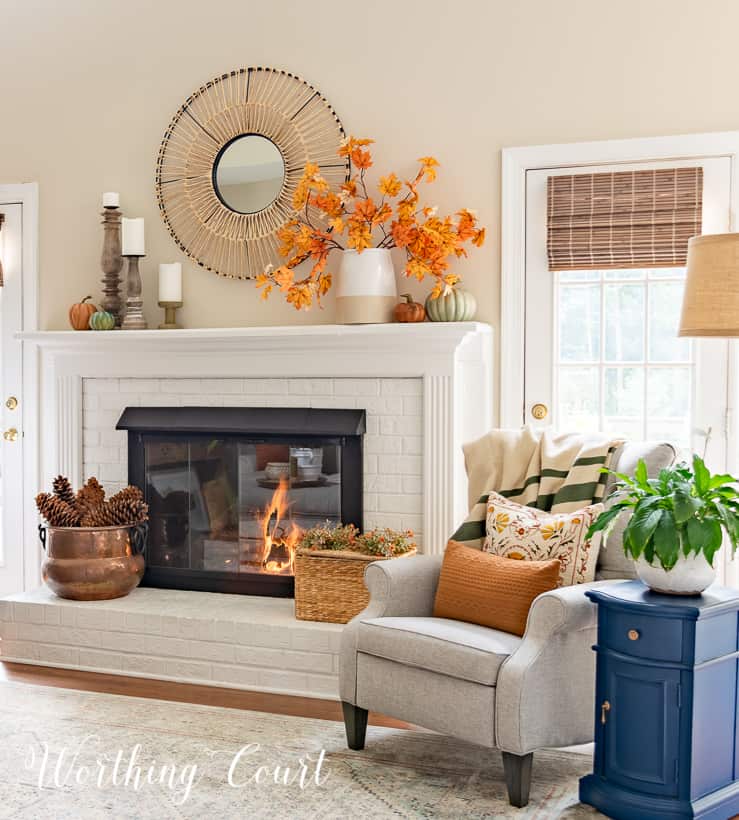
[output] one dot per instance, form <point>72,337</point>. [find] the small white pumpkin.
<point>455,306</point>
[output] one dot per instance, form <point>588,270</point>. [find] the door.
<point>11,409</point>
<point>642,722</point>
<point>602,351</point>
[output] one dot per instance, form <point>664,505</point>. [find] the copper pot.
<point>93,563</point>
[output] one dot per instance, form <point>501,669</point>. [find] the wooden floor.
<point>182,692</point>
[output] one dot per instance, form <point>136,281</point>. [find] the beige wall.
<point>87,88</point>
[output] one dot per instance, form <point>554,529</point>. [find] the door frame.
<point>26,195</point>
<point>516,162</point>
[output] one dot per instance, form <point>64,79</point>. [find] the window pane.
<point>624,391</point>
<point>665,303</point>
<point>579,399</point>
<point>579,276</point>
<point>668,393</point>
<point>624,273</point>
<point>624,401</point>
<point>624,309</point>
<point>667,273</point>
<point>579,323</point>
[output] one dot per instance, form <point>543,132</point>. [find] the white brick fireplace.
<point>393,444</point>
<point>426,389</point>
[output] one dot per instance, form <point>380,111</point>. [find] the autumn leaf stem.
<point>430,242</point>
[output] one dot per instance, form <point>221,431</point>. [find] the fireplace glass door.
<point>230,505</point>
<point>231,489</point>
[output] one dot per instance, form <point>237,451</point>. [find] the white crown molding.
<point>285,332</point>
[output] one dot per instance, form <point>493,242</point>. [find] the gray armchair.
<point>472,682</point>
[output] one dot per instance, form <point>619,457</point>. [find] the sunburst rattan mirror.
<point>231,159</point>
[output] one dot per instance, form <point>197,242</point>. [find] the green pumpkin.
<point>456,306</point>
<point>102,320</point>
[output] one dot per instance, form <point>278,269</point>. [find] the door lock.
<point>11,434</point>
<point>539,411</point>
<point>11,403</point>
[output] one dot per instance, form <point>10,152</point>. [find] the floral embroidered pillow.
<point>527,534</point>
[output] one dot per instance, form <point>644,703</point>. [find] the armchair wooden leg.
<point>517,769</point>
<point>355,722</point>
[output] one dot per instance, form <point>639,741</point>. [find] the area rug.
<point>71,754</point>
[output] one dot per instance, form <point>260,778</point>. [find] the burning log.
<point>278,541</point>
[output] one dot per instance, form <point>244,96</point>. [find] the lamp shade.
<point>711,300</point>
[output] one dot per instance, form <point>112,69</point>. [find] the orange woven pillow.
<point>491,590</point>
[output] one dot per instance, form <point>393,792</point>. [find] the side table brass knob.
<point>634,635</point>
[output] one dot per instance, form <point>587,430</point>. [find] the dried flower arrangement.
<point>88,507</point>
<point>387,543</point>
<point>395,219</point>
<point>384,543</point>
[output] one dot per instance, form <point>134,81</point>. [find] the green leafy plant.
<point>680,512</point>
<point>381,542</point>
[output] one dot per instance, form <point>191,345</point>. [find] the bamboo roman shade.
<point>626,219</point>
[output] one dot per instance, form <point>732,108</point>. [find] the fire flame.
<point>279,540</point>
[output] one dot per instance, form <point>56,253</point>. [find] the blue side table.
<point>666,734</point>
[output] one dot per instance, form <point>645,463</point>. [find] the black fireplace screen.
<point>230,490</point>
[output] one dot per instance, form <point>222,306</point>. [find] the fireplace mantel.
<point>453,360</point>
<point>366,340</point>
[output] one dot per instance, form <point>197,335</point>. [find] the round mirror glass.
<point>248,173</point>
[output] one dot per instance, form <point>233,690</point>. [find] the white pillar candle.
<point>111,200</point>
<point>133,237</point>
<point>170,282</point>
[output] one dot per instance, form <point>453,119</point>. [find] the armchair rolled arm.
<point>563,610</point>
<point>546,688</point>
<point>397,588</point>
<point>402,587</point>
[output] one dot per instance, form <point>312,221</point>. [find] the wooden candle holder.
<point>111,263</point>
<point>170,317</point>
<point>134,315</point>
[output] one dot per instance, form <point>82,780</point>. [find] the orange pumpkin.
<point>80,312</point>
<point>409,311</point>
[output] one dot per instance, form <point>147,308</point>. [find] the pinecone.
<point>92,495</point>
<point>63,489</point>
<point>128,510</point>
<point>88,507</point>
<point>129,493</point>
<point>57,513</point>
<point>98,516</point>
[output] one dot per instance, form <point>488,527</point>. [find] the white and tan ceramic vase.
<point>366,292</point>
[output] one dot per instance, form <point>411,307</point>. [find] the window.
<point>620,366</point>
<point>601,344</point>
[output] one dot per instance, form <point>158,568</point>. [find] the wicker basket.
<point>329,584</point>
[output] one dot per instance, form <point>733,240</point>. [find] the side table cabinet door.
<point>640,734</point>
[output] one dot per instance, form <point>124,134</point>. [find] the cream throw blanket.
<point>558,472</point>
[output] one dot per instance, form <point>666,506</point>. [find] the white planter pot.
<point>366,292</point>
<point>690,576</point>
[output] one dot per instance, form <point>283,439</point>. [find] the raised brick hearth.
<point>240,641</point>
